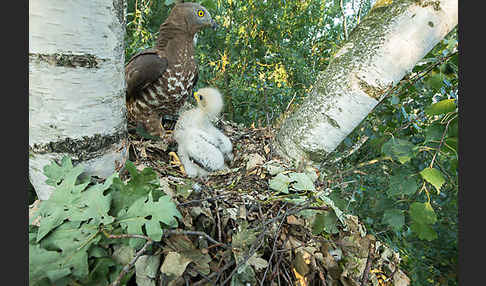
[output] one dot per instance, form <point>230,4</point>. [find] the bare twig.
<point>127,267</point>
<point>440,144</point>
<point>188,232</point>
<point>202,200</point>
<point>363,164</point>
<point>371,253</point>
<point>287,277</point>
<point>217,274</point>
<point>275,239</point>
<point>257,244</point>
<point>218,223</point>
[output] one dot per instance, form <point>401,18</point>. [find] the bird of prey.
<point>160,79</point>
<point>202,148</point>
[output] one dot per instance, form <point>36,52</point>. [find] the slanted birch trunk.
<point>76,86</point>
<point>386,45</point>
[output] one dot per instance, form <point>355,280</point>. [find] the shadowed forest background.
<point>265,57</point>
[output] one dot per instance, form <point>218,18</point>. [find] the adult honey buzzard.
<point>160,79</point>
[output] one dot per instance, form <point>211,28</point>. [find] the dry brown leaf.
<point>254,160</point>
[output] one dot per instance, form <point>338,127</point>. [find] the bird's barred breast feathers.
<point>167,94</point>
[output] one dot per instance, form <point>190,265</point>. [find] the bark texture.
<point>76,86</point>
<point>386,45</point>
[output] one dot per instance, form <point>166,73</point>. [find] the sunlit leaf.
<point>423,231</point>
<point>434,177</point>
<point>422,213</point>
<point>441,107</point>
<point>435,81</point>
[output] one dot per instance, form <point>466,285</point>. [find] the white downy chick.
<point>202,148</point>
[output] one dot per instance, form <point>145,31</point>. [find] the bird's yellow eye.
<point>200,13</point>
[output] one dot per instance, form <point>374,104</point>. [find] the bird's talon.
<point>177,162</point>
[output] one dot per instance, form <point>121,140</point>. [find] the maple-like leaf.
<point>73,240</point>
<point>139,186</point>
<point>62,203</point>
<point>69,202</point>
<point>55,173</point>
<point>149,213</point>
<point>45,264</point>
<point>94,205</point>
<point>62,253</point>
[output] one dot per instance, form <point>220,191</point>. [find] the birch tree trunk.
<point>386,45</point>
<point>76,86</point>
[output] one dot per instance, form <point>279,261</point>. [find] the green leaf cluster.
<point>66,245</point>
<point>408,193</point>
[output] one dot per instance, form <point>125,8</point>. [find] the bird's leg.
<point>153,125</point>
<point>170,122</point>
<point>177,162</point>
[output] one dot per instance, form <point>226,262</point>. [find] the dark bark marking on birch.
<point>83,149</point>
<point>67,60</point>
<point>372,91</point>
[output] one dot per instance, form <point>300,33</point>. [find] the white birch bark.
<point>386,45</point>
<point>76,86</point>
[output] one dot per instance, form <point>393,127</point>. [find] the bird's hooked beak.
<point>196,97</point>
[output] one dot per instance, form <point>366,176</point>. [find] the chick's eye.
<point>200,13</point>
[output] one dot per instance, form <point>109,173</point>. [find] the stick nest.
<point>238,229</point>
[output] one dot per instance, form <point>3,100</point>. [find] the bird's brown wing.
<point>143,69</point>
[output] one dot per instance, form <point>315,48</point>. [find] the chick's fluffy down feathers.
<point>202,148</point>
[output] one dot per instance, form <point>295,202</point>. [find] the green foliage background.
<point>265,58</point>
<point>265,54</point>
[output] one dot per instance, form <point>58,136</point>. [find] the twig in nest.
<point>201,200</point>
<point>258,242</point>
<point>189,232</point>
<point>218,274</point>
<point>127,267</point>
<point>371,252</point>
<point>287,276</point>
<point>281,255</point>
<point>219,220</point>
<point>323,279</point>
<point>319,271</point>
<point>275,239</point>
